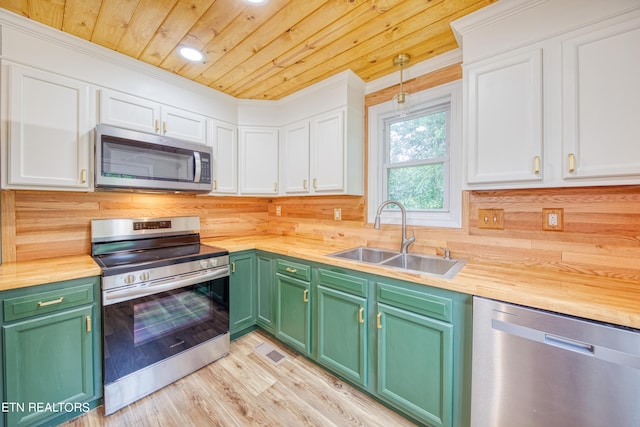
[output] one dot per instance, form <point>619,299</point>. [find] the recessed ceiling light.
<point>257,2</point>
<point>190,53</point>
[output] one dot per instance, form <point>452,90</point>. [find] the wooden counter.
<point>30,273</point>
<point>598,298</point>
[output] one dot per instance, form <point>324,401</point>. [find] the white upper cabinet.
<point>132,112</point>
<point>225,158</point>
<point>328,158</point>
<point>295,158</point>
<point>49,129</point>
<point>504,118</point>
<point>551,105</point>
<point>258,156</point>
<point>601,102</point>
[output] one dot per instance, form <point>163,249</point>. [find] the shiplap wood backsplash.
<point>601,224</point>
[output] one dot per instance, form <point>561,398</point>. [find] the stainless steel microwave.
<point>128,160</point>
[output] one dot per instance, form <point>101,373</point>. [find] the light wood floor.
<point>246,389</point>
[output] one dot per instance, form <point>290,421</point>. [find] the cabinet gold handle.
<point>215,184</point>
<point>164,128</point>
<point>361,315</point>
<point>88,323</point>
<point>291,270</point>
<point>157,125</point>
<point>305,295</point>
<point>275,187</point>
<point>83,176</point>
<point>572,163</point>
<point>536,165</point>
<point>378,323</point>
<point>304,184</point>
<point>233,267</point>
<point>52,302</point>
<point>315,183</point>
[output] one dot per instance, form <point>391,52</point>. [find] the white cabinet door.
<point>601,102</point>
<point>50,124</point>
<point>295,158</point>
<point>504,118</point>
<point>258,160</point>
<point>225,158</point>
<point>182,124</point>
<point>328,152</point>
<point>129,112</point>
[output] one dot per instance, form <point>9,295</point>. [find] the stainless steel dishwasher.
<point>537,368</point>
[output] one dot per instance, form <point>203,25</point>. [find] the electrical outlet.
<point>491,219</point>
<point>337,214</point>
<point>552,219</point>
<point>278,210</point>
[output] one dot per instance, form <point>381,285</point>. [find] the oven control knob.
<point>144,276</point>
<point>129,279</point>
<point>204,264</point>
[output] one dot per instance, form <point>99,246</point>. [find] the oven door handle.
<point>119,295</point>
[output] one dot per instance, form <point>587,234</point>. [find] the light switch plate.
<point>491,219</point>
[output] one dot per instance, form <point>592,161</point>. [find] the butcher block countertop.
<point>598,298</point>
<point>604,299</point>
<point>30,273</point>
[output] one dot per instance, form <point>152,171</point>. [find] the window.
<point>415,159</point>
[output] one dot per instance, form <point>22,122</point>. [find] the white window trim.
<point>450,92</point>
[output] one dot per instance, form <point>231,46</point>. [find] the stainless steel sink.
<point>423,264</point>
<point>426,264</point>
<point>366,254</point>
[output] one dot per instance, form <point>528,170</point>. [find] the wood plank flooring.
<point>246,389</point>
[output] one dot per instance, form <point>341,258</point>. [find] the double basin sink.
<point>423,264</point>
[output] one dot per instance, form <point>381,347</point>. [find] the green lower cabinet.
<point>293,313</point>
<point>242,293</point>
<point>265,282</point>
<point>48,360</point>
<point>414,370</point>
<point>342,333</point>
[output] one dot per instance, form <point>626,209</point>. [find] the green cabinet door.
<point>242,295</point>
<point>293,316</point>
<point>415,361</point>
<point>342,333</point>
<point>48,359</point>
<point>265,281</point>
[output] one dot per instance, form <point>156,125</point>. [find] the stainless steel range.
<point>166,303</point>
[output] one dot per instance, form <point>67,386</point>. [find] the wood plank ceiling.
<point>260,52</point>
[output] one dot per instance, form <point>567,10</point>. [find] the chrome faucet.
<point>405,241</point>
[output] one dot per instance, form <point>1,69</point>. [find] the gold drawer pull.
<point>361,315</point>
<point>378,322</point>
<point>52,302</point>
<point>536,167</point>
<point>83,176</point>
<point>233,267</point>
<point>164,128</point>
<point>304,184</point>
<point>88,323</point>
<point>291,270</point>
<point>305,295</point>
<point>157,125</point>
<point>215,184</point>
<point>572,163</point>
<point>315,183</point>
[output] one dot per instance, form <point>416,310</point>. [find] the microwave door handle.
<point>198,166</point>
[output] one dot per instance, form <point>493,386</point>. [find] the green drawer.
<point>47,302</point>
<point>418,302</point>
<point>343,282</point>
<point>293,269</point>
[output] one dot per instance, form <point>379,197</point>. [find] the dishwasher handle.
<point>591,350</point>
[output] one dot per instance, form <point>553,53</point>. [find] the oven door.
<point>147,329</point>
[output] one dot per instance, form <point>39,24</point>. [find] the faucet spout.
<point>405,241</point>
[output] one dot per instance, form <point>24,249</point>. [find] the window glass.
<point>416,152</point>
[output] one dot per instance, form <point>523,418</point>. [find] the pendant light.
<point>401,99</point>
